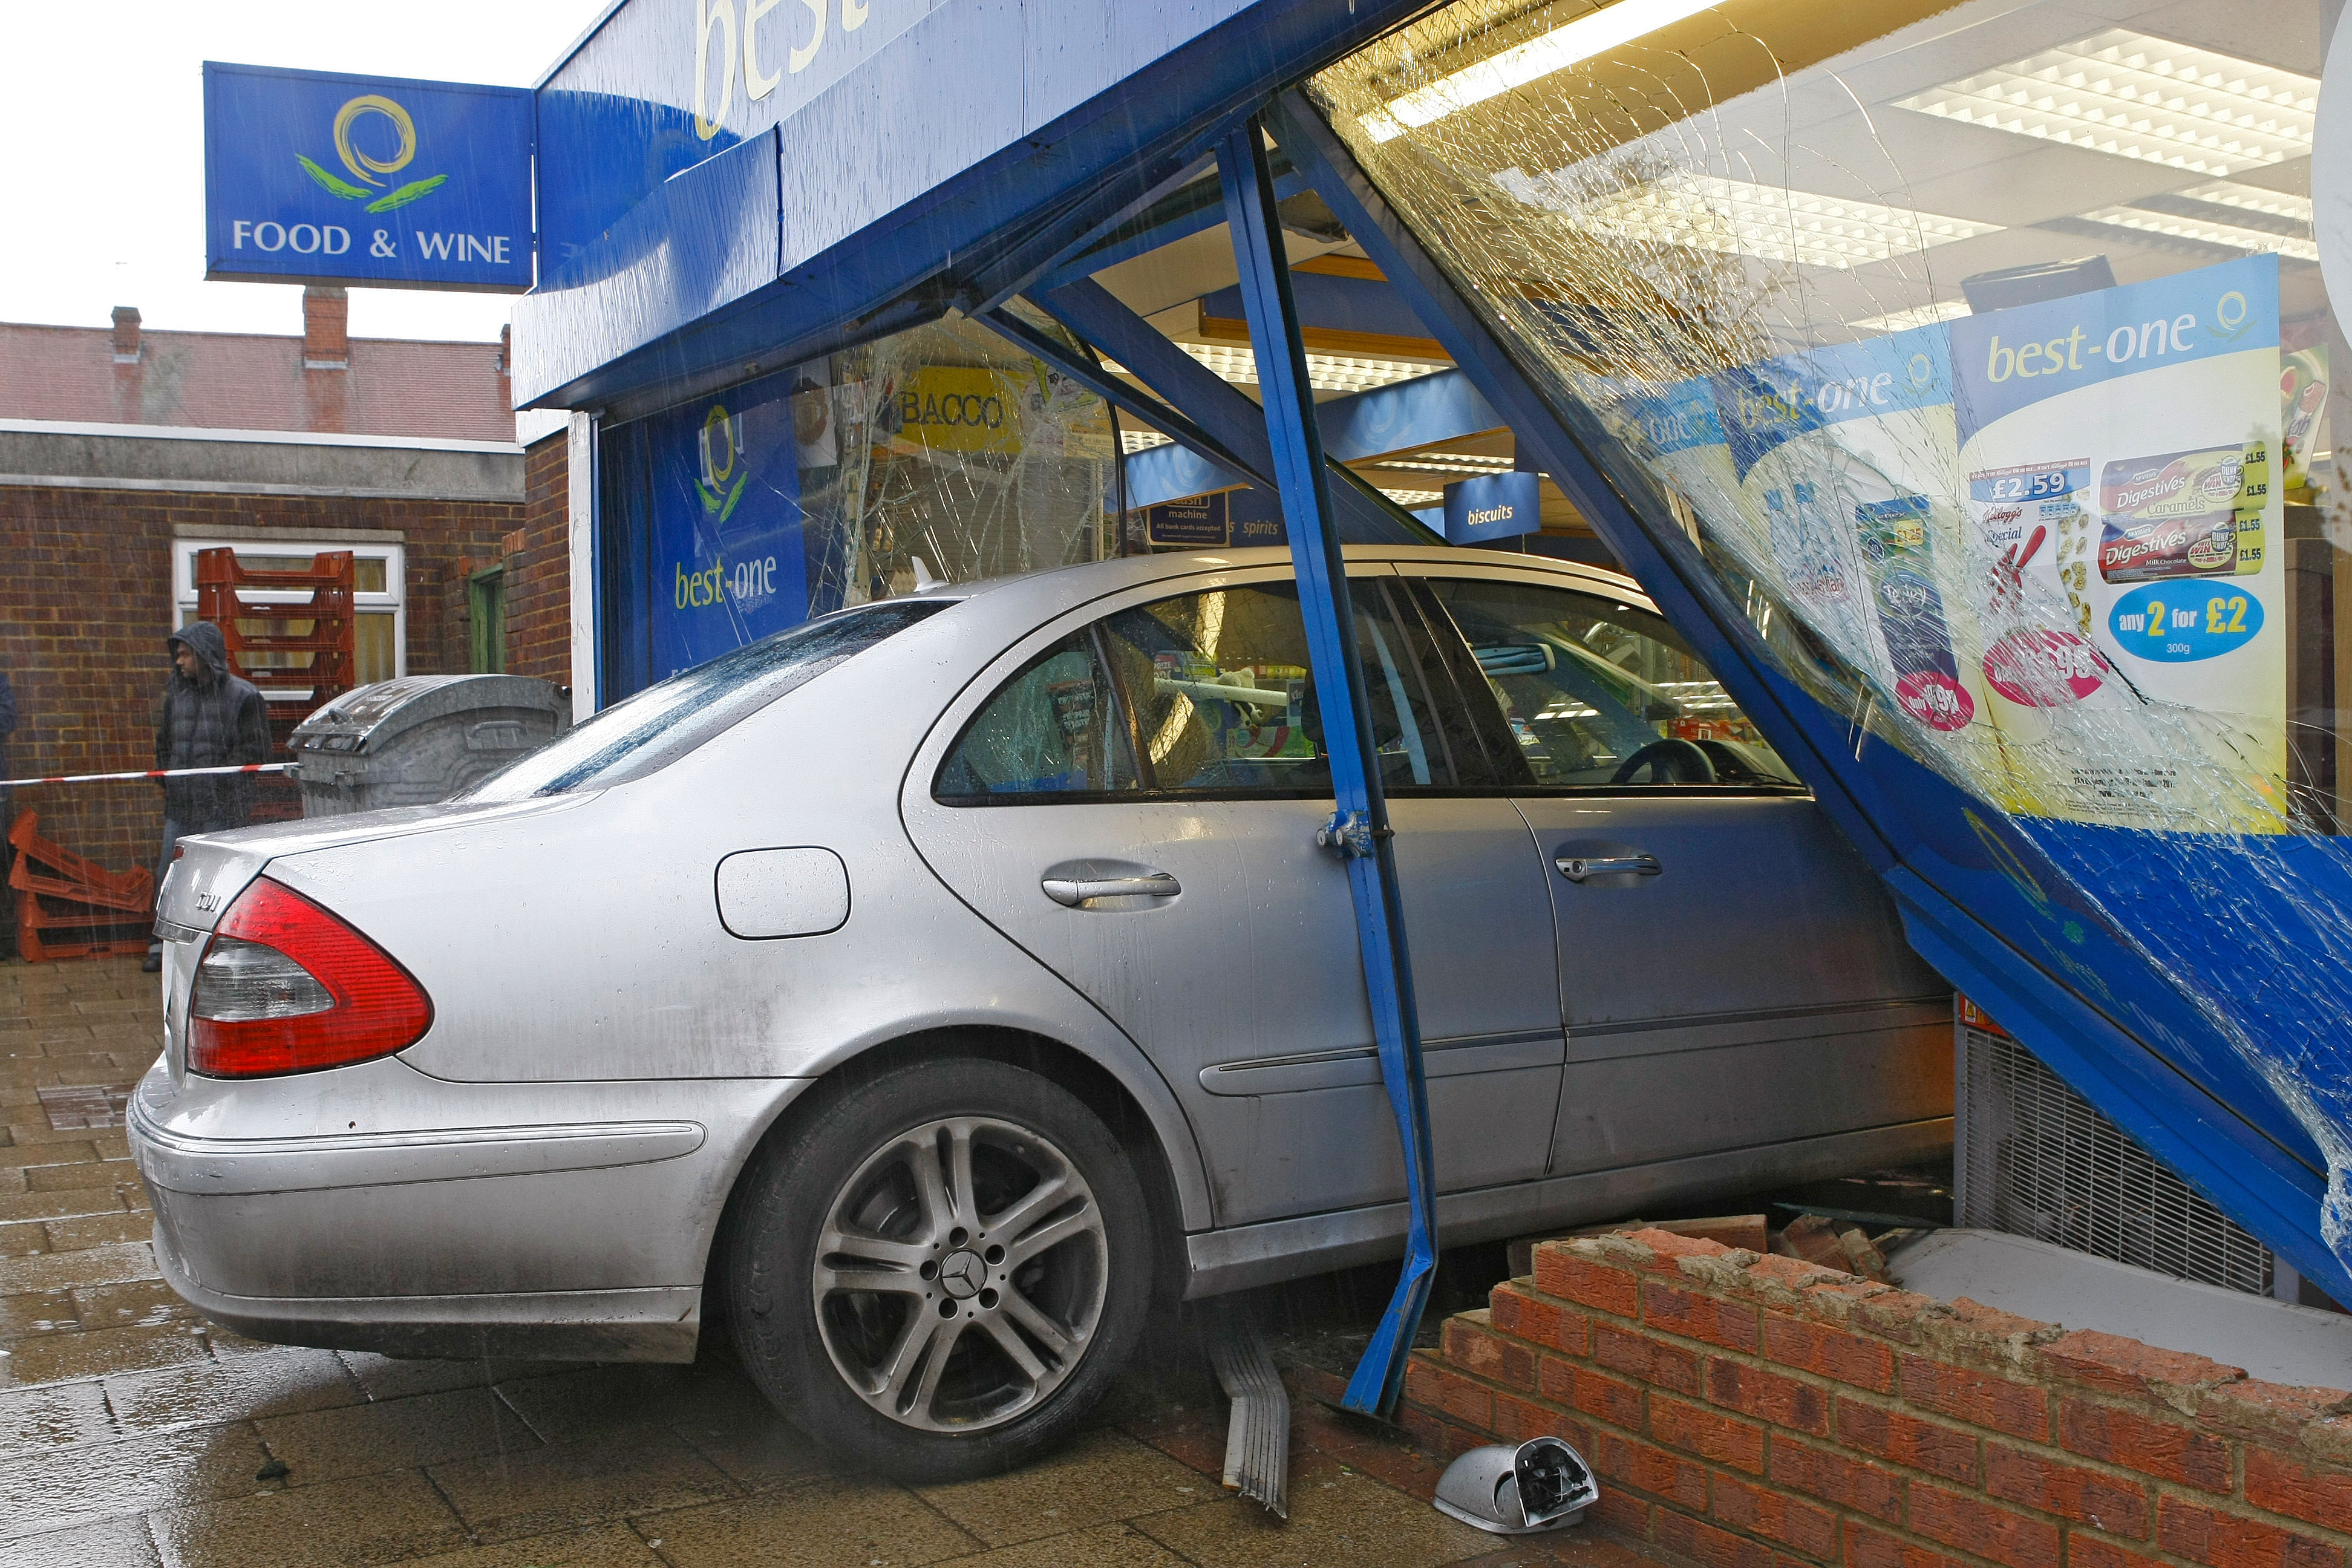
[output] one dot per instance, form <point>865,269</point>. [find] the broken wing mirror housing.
<point>1543,1484</point>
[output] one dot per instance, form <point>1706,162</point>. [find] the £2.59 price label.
<point>2185,620</point>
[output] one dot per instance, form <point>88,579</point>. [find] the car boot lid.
<point>212,869</point>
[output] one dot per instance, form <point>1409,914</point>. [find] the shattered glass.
<point>1976,362</point>
<point>938,454</point>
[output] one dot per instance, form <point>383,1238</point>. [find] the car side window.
<point>1203,693</point>
<point>1599,694</point>
<point>1054,728</point>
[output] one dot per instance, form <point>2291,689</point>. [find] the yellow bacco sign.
<point>957,408</point>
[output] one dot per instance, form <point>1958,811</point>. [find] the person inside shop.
<point>209,718</point>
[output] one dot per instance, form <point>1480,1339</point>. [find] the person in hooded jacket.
<point>209,718</point>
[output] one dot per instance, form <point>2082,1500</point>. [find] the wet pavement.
<point>133,1434</point>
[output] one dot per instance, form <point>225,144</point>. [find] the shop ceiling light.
<point>1325,373</point>
<point>1917,316</point>
<point>1451,463</point>
<point>2275,221</point>
<point>1595,33</point>
<point>2287,209</point>
<point>1411,498</point>
<point>1133,441</point>
<point>2139,97</point>
<point>1737,217</point>
<point>2205,231</point>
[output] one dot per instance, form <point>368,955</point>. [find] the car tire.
<point>938,1273</point>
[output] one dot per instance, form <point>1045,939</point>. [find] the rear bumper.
<point>655,1324</point>
<point>374,1208</point>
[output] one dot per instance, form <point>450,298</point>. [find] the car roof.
<point>1094,578</point>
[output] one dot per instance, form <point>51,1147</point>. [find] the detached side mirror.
<point>1543,1484</point>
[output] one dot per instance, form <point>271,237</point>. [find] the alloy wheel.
<point>960,1273</point>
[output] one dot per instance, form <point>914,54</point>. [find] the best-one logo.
<point>2149,340</point>
<point>374,136</point>
<point>720,37</point>
<point>726,470</point>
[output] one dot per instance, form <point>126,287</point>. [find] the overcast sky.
<point>101,110</point>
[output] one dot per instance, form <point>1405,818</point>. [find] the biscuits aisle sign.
<point>313,177</point>
<point>2118,450</point>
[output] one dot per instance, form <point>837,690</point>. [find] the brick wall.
<point>86,601</point>
<point>1748,1412</point>
<point>539,579</point>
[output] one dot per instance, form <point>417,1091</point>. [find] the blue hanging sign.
<point>317,178</point>
<point>1498,505</point>
<point>1194,521</point>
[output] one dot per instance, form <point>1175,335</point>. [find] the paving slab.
<point>279,1383</point>
<point>92,1482</point>
<point>530,1492</point>
<point>55,1358</point>
<point>821,1522</point>
<point>1105,1546</point>
<point>1102,1478</point>
<point>31,1419</point>
<point>40,1312</point>
<point>399,1433</point>
<point>599,1546</point>
<point>1339,1518</point>
<point>117,1543</point>
<point>371,1520</point>
<point>134,1304</point>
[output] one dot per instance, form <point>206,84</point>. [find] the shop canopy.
<point>1934,540</point>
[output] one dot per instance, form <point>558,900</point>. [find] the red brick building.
<point>123,452</point>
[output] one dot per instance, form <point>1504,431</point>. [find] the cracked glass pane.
<point>939,454</point>
<point>1974,363</point>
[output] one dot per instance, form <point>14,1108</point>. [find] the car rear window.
<point>665,722</point>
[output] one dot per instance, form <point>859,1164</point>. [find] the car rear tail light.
<point>285,986</point>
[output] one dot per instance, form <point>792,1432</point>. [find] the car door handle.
<point>1576,867</point>
<point>1075,891</point>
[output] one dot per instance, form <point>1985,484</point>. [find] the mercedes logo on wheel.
<point>962,1275</point>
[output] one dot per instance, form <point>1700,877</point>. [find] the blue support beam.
<point>1440,407</point>
<point>1359,829</point>
<point>1090,310</point>
<point>1228,468</point>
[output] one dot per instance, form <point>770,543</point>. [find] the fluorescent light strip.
<point>1325,373</point>
<point>1450,463</point>
<point>1595,33</point>
<point>2252,199</point>
<point>1133,441</point>
<point>2170,225</point>
<point>2140,97</point>
<point>1918,316</point>
<point>1735,217</point>
<point>1411,498</point>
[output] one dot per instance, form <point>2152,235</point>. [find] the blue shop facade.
<point>1957,378</point>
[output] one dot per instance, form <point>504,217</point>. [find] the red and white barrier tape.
<point>155,773</point>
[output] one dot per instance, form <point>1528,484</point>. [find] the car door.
<point>1731,972</point>
<point>1132,794</point>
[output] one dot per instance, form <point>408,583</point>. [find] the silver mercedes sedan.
<point>927,991</point>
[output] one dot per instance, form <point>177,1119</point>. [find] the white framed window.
<point>380,596</point>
